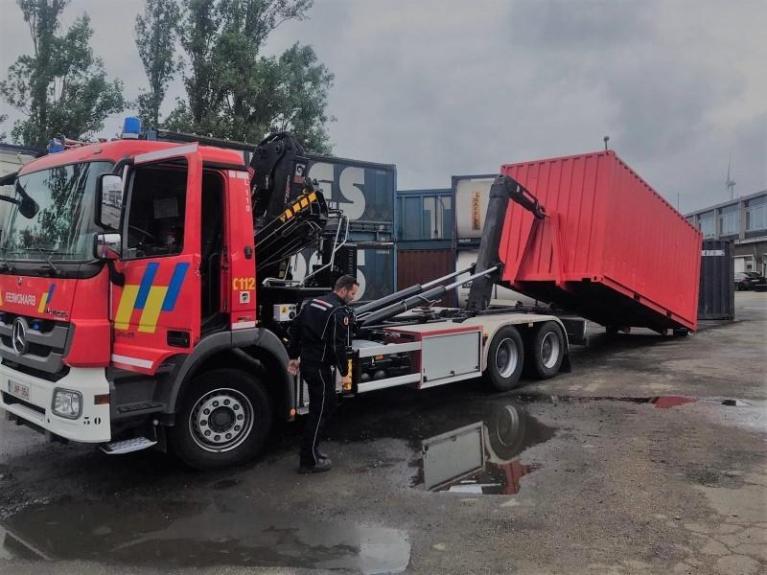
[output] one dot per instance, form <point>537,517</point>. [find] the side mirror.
<point>109,201</point>
<point>107,246</point>
<point>28,207</point>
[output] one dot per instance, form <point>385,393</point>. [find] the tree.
<point>233,91</point>
<point>61,88</point>
<point>3,135</point>
<point>156,32</point>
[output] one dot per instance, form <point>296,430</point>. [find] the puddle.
<point>481,458</point>
<point>659,401</point>
<point>179,534</point>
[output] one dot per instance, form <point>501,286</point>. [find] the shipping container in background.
<point>425,219</point>
<point>717,281</point>
<point>375,268</point>
<point>610,248</point>
<point>425,237</point>
<point>421,266</point>
<point>365,191</point>
<point>471,193</point>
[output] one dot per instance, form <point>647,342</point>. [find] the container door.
<point>156,313</point>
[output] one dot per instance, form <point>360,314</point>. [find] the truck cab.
<point>127,289</point>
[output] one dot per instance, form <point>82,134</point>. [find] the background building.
<point>743,220</point>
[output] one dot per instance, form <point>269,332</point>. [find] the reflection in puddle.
<point>659,401</point>
<point>187,534</point>
<point>494,479</point>
<point>479,458</point>
<point>667,401</point>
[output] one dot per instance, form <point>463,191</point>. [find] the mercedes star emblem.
<point>19,335</point>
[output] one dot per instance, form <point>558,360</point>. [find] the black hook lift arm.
<point>504,188</point>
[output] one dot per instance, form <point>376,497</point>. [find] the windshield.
<point>63,227</point>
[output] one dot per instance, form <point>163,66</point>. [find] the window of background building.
<point>729,220</point>
<point>708,224</point>
<point>756,214</point>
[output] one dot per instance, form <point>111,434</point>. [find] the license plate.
<point>18,390</point>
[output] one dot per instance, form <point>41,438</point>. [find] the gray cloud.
<point>442,87</point>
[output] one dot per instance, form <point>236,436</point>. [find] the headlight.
<point>67,403</point>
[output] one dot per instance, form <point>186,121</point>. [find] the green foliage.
<point>61,88</point>
<point>234,92</point>
<point>156,33</point>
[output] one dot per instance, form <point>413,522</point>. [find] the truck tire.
<point>546,349</point>
<point>505,359</point>
<point>224,419</point>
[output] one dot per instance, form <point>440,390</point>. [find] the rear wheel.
<point>546,350</point>
<point>505,359</point>
<point>224,419</point>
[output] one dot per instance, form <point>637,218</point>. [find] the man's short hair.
<point>346,282</point>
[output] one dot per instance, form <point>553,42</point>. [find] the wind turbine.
<point>730,183</point>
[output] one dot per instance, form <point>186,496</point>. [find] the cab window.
<point>155,222</point>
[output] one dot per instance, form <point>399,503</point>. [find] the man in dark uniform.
<point>321,335</point>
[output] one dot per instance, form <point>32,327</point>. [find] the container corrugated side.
<point>610,248</point>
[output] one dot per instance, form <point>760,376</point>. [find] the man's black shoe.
<point>319,467</point>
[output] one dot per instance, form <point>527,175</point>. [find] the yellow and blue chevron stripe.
<point>46,299</point>
<point>150,299</point>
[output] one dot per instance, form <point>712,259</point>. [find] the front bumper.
<point>92,426</point>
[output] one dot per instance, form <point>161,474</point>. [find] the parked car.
<point>750,281</point>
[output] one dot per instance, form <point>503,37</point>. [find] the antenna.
<point>606,139</point>
<point>730,183</point>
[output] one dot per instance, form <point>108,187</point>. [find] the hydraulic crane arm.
<point>279,165</point>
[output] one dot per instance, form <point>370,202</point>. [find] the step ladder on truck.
<point>146,297</point>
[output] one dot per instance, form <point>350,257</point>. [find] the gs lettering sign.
<point>364,191</point>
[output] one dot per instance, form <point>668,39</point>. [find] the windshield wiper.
<point>54,269</point>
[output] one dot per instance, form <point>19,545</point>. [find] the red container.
<point>610,248</point>
<point>421,266</point>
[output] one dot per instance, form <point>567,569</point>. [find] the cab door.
<point>156,313</point>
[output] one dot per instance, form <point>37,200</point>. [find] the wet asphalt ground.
<point>650,457</point>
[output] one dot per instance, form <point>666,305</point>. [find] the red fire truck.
<point>145,294</point>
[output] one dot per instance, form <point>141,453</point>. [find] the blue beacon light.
<point>131,128</point>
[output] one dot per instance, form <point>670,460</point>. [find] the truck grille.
<point>46,346</point>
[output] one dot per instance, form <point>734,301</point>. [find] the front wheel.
<point>224,419</point>
<point>547,350</point>
<point>505,359</point>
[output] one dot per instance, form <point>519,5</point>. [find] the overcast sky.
<point>443,87</point>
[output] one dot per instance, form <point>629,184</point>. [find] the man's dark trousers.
<point>321,382</point>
